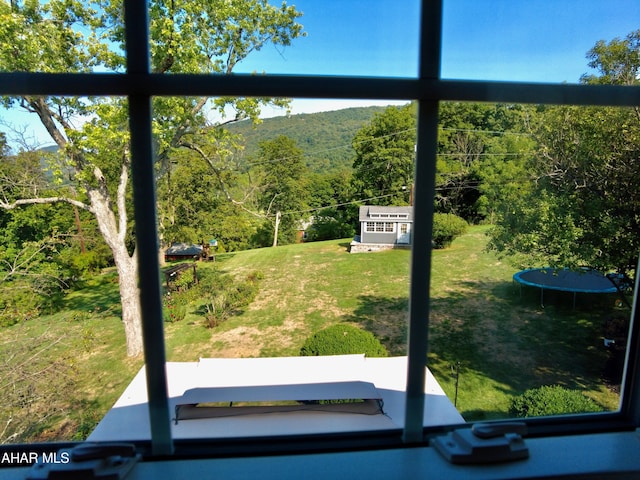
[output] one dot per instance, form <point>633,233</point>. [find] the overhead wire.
<point>316,153</point>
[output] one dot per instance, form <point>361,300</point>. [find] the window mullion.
<point>424,193</point>
<point>631,376</point>
<point>144,198</point>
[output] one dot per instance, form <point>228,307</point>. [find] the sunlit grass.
<point>500,342</point>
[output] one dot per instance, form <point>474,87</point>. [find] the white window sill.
<point>611,455</point>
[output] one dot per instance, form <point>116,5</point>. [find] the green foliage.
<point>583,208</point>
<point>325,137</point>
<point>446,227</point>
<point>284,184</point>
<point>330,224</point>
<point>174,306</point>
<point>551,400</point>
<point>336,217</point>
<point>223,296</point>
<point>385,152</point>
<point>480,151</point>
<point>617,62</point>
<point>581,205</point>
<point>30,282</point>
<point>185,37</point>
<point>342,339</point>
<point>194,211</point>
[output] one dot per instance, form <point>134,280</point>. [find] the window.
<point>381,227</point>
<point>428,89</point>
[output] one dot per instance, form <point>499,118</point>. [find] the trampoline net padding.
<point>338,397</point>
<point>585,281</point>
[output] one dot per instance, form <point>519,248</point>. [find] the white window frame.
<point>428,89</point>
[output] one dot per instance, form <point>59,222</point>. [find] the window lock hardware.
<point>484,443</point>
<point>87,461</point>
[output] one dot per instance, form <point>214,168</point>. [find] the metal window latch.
<point>87,461</point>
<point>484,443</point>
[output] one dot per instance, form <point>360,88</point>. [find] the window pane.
<point>221,195</point>
<point>68,284</point>
<point>546,191</point>
<point>542,41</point>
<point>49,37</point>
<point>355,37</point>
<point>229,294</point>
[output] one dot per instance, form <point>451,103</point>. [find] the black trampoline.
<point>566,280</point>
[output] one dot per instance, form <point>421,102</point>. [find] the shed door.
<point>404,233</point>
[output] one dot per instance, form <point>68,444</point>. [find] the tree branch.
<point>218,174</point>
<point>122,197</point>
<point>42,201</point>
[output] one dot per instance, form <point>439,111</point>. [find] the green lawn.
<point>501,342</point>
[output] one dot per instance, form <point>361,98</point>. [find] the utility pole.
<point>275,230</point>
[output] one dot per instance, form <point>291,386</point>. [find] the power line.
<point>350,145</point>
<point>339,204</point>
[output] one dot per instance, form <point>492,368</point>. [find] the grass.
<point>500,343</point>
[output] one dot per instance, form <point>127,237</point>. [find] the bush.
<point>224,297</point>
<point>343,339</point>
<point>174,307</point>
<point>446,227</point>
<point>551,400</point>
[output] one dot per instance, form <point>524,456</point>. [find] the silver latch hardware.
<point>484,443</point>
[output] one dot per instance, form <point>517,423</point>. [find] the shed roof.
<point>367,210</point>
<point>184,249</point>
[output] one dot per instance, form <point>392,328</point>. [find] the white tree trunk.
<point>114,232</point>
<point>275,229</point>
<point>130,299</point>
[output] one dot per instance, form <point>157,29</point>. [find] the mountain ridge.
<point>325,137</point>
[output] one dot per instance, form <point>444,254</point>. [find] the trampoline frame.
<point>517,277</point>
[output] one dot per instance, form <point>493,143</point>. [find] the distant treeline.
<point>325,137</point>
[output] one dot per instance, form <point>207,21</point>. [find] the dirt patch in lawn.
<point>245,342</point>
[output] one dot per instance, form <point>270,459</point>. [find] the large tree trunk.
<point>114,230</point>
<point>130,300</point>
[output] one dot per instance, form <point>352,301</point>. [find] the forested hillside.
<point>325,137</point>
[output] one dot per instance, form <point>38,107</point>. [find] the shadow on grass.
<point>345,245</point>
<point>386,318</point>
<point>100,294</point>
<point>489,328</point>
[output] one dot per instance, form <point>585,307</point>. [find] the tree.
<point>196,209</point>
<point>480,150</point>
<point>284,191</point>
<point>385,152</point>
<point>617,62</point>
<point>33,275</point>
<point>335,215</point>
<point>74,36</point>
<point>584,206</point>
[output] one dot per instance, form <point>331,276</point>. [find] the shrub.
<point>551,400</point>
<point>174,307</point>
<point>343,339</point>
<point>446,227</point>
<point>223,297</point>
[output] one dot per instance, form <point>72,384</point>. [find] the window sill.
<point>610,455</point>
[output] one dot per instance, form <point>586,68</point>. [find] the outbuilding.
<point>383,227</point>
<point>183,251</point>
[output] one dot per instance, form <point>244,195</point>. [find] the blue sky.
<point>529,40</point>
<point>518,40</point>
